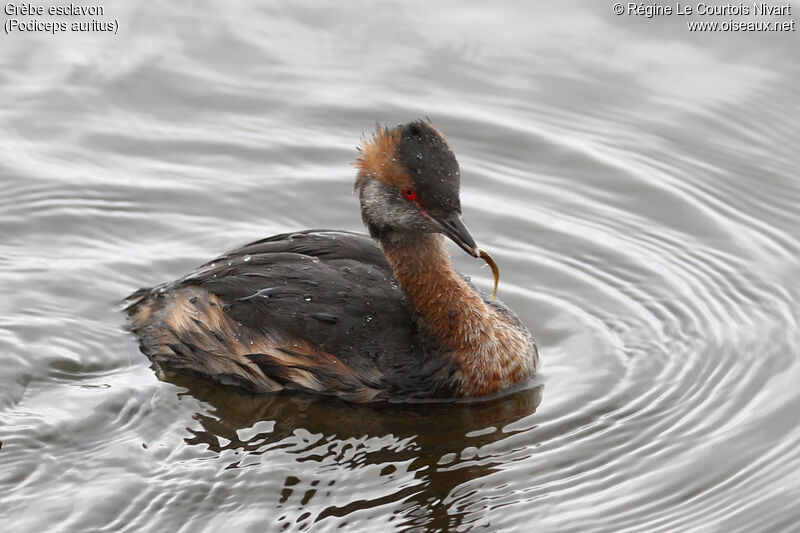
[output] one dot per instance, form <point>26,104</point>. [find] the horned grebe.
<point>340,313</point>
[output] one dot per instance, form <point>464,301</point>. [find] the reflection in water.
<point>421,442</point>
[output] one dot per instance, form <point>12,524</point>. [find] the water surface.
<point>637,184</point>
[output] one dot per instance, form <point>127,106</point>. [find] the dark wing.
<point>188,329</point>
<point>311,300</point>
<point>331,245</point>
<point>333,289</point>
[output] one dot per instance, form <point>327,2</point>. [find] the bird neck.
<point>490,351</point>
<point>445,304</point>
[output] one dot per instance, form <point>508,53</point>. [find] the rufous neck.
<point>491,351</point>
<point>445,304</point>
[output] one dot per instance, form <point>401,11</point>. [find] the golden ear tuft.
<point>377,158</point>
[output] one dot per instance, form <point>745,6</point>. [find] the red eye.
<point>410,194</point>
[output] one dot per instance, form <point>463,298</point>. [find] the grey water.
<point>637,184</point>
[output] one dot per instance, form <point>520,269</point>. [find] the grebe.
<point>332,312</point>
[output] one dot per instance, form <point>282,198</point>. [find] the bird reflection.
<point>432,446</point>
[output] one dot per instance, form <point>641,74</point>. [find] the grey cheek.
<point>379,203</point>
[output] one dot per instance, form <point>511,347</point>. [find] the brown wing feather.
<point>189,329</point>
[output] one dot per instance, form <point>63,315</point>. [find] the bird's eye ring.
<point>410,194</point>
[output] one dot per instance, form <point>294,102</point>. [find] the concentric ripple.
<point>637,185</point>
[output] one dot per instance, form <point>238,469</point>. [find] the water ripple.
<point>638,189</point>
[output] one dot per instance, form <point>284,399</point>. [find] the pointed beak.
<point>454,228</point>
